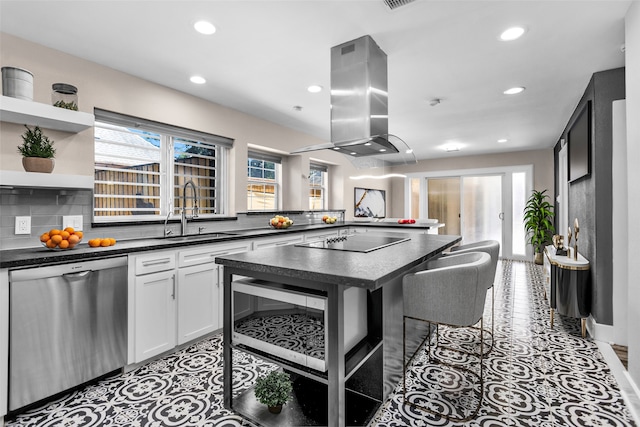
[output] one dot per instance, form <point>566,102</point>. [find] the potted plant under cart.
<point>538,222</point>
<point>37,151</point>
<point>273,390</point>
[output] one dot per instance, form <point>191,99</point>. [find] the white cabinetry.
<point>198,301</point>
<point>154,305</point>
<point>176,297</point>
<point>270,242</point>
<point>200,293</point>
<point>313,236</point>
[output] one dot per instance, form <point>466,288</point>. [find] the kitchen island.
<point>356,381</point>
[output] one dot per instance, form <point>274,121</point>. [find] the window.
<point>317,186</point>
<point>141,168</point>
<point>263,177</point>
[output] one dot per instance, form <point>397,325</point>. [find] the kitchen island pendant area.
<point>356,381</point>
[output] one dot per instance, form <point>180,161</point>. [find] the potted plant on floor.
<point>274,390</point>
<point>538,222</point>
<point>37,151</point>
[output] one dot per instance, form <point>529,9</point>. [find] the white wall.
<point>632,63</point>
<point>619,222</point>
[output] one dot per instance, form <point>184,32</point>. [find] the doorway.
<point>470,206</point>
<point>477,204</point>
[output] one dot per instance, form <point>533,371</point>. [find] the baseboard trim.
<point>600,332</point>
<point>628,389</point>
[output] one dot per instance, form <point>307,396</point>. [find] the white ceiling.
<point>266,52</point>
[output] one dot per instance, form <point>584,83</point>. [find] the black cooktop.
<point>356,242</point>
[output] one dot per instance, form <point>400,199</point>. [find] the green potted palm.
<point>37,151</point>
<point>273,390</point>
<point>538,222</point>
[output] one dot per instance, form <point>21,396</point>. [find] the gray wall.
<point>590,198</point>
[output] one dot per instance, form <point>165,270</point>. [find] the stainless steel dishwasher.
<point>68,325</point>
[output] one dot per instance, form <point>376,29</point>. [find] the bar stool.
<point>492,247</point>
<point>452,292</point>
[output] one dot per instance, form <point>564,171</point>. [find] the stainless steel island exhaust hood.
<point>359,107</point>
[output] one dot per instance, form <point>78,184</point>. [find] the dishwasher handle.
<point>78,275</point>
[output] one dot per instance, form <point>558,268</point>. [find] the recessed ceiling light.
<point>336,148</point>
<point>353,153</point>
<point>204,27</point>
<point>514,90</point>
<point>197,80</point>
<point>314,88</point>
<point>382,150</point>
<point>502,141</point>
<point>512,33</point>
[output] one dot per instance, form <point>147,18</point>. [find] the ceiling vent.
<point>394,4</point>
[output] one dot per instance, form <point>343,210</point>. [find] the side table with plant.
<point>37,151</point>
<point>274,390</point>
<point>538,222</point>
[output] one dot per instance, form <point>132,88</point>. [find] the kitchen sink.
<point>195,237</point>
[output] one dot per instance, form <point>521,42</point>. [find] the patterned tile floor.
<point>534,376</point>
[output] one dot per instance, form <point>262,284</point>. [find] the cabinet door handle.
<point>156,262</point>
<point>173,287</point>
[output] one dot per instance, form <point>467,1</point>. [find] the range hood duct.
<point>359,107</point>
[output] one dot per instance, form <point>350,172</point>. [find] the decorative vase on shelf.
<point>38,164</point>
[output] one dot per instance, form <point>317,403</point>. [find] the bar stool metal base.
<point>479,377</point>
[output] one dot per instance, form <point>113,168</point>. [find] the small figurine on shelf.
<point>569,241</point>
<point>576,228</point>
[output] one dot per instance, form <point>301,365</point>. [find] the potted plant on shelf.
<point>538,222</point>
<point>273,390</point>
<point>37,151</point>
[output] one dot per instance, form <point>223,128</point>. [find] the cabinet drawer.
<point>154,262</point>
<point>208,253</point>
<point>278,241</point>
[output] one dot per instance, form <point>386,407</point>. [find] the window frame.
<point>323,187</point>
<point>169,135</point>
<point>276,183</point>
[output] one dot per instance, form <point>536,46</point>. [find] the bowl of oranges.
<point>61,239</point>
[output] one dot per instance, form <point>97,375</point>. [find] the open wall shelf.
<point>14,110</point>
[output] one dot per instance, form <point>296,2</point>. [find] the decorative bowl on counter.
<point>280,222</point>
<point>61,239</point>
<point>329,219</point>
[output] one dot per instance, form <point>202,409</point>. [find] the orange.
<point>73,239</point>
<point>65,235</point>
<point>44,237</point>
<point>94,243</point>
<point>78,233</point>
<point>69,230</point>
<point>54,231</point>
<point>56,239</point>
<point>51,244</point>
<point>105,242</point>
<point>64,244</point>
<point>112,241</point>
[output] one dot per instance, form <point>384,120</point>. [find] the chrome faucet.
<point>194,209</point>
<point>167,231</point>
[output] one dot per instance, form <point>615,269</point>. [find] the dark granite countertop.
<point>369,270</point>
<point>37,256</point>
